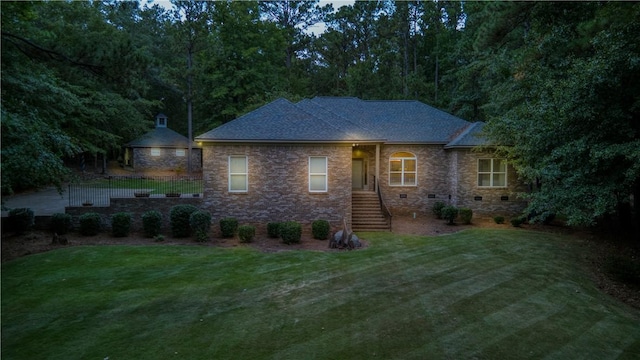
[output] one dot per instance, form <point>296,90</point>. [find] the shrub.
<point>21,219</point>
<point>151,223</point>
<point>246,233</point>
<point>450,213</point>
<point>516,222</point>
<point>158,238</point>
<point>90,224</point>
<point>121,224</point>
<point>498,219</point>
<point>273,229</point>
<point>61,223</point>
<point>291,232</point>
<point>179,219</point>
<point>200,222</point>
<point>320,229</point>
<point>228,227</point>
<point>437,209</point>
<point>466,215</point>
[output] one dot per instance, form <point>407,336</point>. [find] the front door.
<point>357,174</point>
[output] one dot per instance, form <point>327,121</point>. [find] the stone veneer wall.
<point>278,184</point>
<point>465,190</point>
<point>142,160</point>
<point>137,207</point>
<point>432,178</point>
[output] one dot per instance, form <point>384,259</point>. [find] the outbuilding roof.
<point>161,137</point>
<point>341,119</point>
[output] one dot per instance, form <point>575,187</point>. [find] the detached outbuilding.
<point>162,149</point>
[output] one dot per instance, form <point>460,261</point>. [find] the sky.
<point>316,29</point>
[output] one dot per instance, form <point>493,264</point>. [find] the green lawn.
<point>490,294</point>
<point>156,186</point>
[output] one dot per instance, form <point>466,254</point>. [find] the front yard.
<point>482,293</point>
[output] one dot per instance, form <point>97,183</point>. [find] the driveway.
<point>44,202</point>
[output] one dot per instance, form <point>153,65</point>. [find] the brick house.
<point>162,149</point>
<point>336,158</point>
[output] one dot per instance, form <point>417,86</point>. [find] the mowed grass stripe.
<point>472,294</point>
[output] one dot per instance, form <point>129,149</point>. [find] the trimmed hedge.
<point>121,224</point>
<point>61,223</point>
<point>200,222</point>
<point>246,233</point>
<point>320,229</point>
<point>291,232</point>
<point>466,215</point>
<point>152,223</point>
<point>516,222</point>
<point>450,213</point>
<point>273,229</point>
<point>437,209</point>
<point>21,219</point>
<point>90,224</point>
<point>228,227</point>
<point>179,218</point>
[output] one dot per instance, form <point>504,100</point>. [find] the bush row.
<point>185,220</point>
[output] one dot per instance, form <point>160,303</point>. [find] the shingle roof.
<point>469,137</point>
<point>161,137</point>
<point>341,119</point>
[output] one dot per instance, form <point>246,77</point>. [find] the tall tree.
<point>64,91</point>
<point>569,105</point>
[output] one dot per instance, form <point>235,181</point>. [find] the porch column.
<point>377,184</point>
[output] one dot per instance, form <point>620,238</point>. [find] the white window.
<point>318,174</point>
<point>492,172</point>
<point>402,169</point>
<point>180,152</point>
<point>155,151</point>
<point>238,174</point>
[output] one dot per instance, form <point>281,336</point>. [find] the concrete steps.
<point>366,212</point>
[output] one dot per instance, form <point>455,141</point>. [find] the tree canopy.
<point>557,82</point>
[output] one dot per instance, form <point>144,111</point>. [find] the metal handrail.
<point>383,206</point>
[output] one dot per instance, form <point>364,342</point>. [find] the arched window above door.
<point>403,169</point>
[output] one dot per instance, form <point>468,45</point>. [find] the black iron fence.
<point>98,192</point>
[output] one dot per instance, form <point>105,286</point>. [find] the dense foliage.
<point>200,222</point>
<point>273,229</point>
<point>557,82</point>
<point>90,224</point>
<point>320,229</point>
<point>228,227</point>
<point>246,233</point>
<point>291,232</point>
<point>179,220</point>
<point>121,224</point>
<point>61,223</point>
<point>151,223</point>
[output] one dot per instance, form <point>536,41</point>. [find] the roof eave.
<point>285,141</point>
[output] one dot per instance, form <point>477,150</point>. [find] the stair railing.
<point>383,206</point>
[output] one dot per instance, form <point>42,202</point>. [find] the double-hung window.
<point>155,151</point>
<point>180,152</point>
<point>238,174</point>
<point>318,174</point>
<point>492,172</point>
<point>402,169</point>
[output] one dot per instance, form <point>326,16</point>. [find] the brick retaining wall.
<point>136,207</point>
